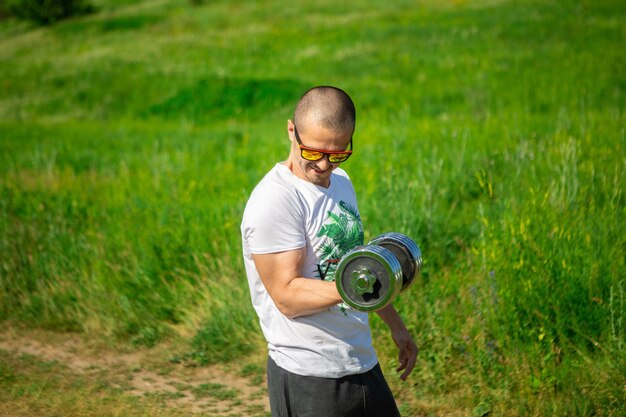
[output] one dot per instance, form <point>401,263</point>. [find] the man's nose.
<point>324,163</point>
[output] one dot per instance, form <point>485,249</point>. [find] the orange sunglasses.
<point>312,154</point>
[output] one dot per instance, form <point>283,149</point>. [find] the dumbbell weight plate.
<point>368,278</point>
<point>407,252</point>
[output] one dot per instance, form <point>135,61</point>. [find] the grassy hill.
<point>492,132</point>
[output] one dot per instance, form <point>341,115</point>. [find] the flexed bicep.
<point>293,294</point>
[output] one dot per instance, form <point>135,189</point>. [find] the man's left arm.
<point>407,355</point>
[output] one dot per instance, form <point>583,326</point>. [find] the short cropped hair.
<point>330,106</point>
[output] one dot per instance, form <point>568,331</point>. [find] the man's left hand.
<point>407,355</point>
<point>407,351</point>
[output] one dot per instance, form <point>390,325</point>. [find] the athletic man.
<point>299,221</point>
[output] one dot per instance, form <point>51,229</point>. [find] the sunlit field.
<point>491,132</point>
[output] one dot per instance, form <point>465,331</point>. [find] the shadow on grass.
<point>218,98</point>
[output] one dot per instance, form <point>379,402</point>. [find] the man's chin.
<point>321,179</point>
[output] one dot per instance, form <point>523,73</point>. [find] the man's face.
<point>315,136</point>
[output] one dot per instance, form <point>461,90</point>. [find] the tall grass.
<point>491,132</point>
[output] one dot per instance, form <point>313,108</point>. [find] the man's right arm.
<point>293,294</point>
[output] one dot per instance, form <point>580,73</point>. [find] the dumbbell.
<point>370,277</point>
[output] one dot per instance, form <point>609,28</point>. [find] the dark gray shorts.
<point>362,395</point>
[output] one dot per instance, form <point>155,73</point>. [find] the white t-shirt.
<point>284,213</point>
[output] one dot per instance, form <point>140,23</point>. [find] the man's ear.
<point>290,129</point>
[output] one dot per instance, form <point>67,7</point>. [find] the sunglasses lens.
<point>336,158</point>
<point>311,155</point>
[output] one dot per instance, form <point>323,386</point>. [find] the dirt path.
<point>213,389</point>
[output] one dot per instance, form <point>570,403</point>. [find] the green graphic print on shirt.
<point>342,232</point>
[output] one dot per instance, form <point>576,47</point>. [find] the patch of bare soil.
<point>214,390</point>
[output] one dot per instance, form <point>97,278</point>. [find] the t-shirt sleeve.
<point>273,222</point>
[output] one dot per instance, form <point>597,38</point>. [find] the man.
<point>299,221</point>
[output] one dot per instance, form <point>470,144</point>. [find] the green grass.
<point>492,132</point>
